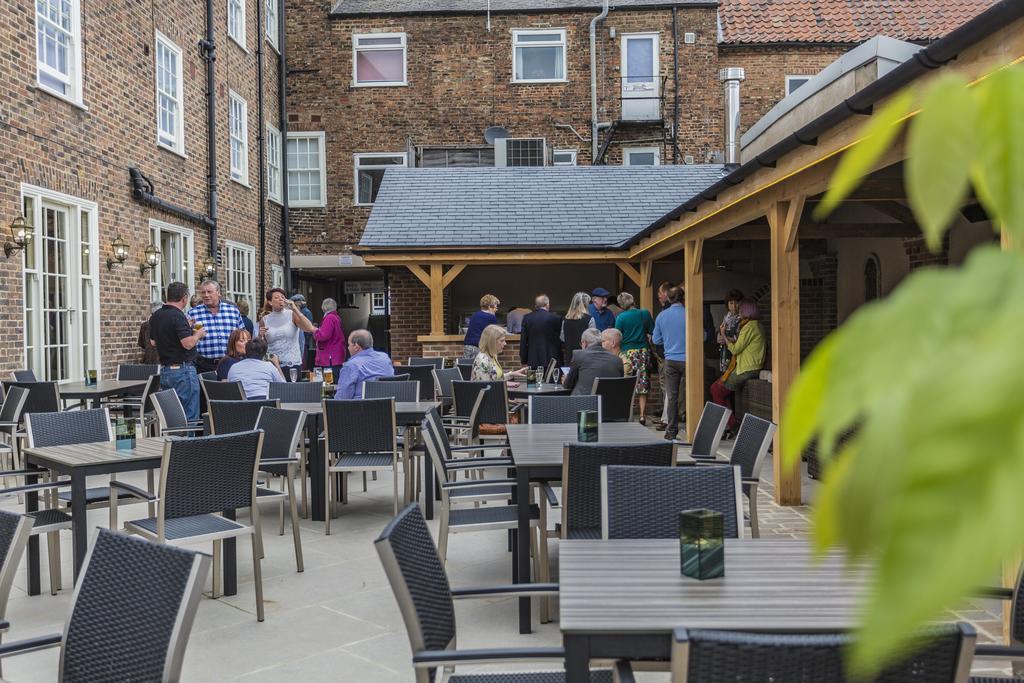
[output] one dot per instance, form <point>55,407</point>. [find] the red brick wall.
<point>410,313</point>
<point>920,256</point>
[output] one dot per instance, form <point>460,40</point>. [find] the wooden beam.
<point>785,335</point>
<point>791,223</point>
<point>436,298</point>
<point>631,272</point>
<point>900,212</point>
<point>420,274</point>
<point>452,273</point>
<point>396,258</point>
<point>810,231</point>
<point>693,285</point>
<point>646,286</point>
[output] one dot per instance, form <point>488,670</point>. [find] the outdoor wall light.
<point>151,260</point>
<point>21,235</point>
<point>120,249</point>
<point>209,269</point>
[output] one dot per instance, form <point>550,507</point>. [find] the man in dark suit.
<point>539,341</point>
<point>592,362</point>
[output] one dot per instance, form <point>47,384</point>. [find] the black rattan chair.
<point>10,422</point>
<point>139,405</point>
<point>561,409</point>
<point>281,432</point>
<point>699,656</point>
<point>443,378</point>
<point>437,363</point>
<point>131,614</point>
<point>221,391</point>
<point>199,479</point>
<point>753,440</point>
<point>131,371</point>
<point>24,376</point>
<point>210,375</point>
<point>360,437</point>
<point>492,411</point>
<point>400,391</point>
<point>425,597</point>
<point>424,374</point>
<point>645,502</point>
<point>43,397</point>
<point>230,417</point>
<point>391,378</point>
<point>708,436</point>
<point>616,397</point>
<point>15,531</point>
<point>296,392</point>
<point>170,415</point>
<point>465,368</point>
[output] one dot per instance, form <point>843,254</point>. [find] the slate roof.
<point>536,208</point>
<point>842,21</point>
<point>393,7</point>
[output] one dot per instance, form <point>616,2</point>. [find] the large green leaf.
<point>860,159</point>
<point>998,168</point>
<point>940,145</point>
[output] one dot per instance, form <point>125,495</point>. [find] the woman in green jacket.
<point>747,358</point>
<point>636,326</point>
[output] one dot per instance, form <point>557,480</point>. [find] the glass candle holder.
<point>531,376</point>
<point>701,544</point>
<point>90,378</point>
<point>124,432</point>
<point>586,426</point>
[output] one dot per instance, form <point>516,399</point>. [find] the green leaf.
<point>859,160</point>
<point>940,146</point>
<point>998,168</point>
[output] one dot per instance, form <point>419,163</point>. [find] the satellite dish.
<point>493,133</point>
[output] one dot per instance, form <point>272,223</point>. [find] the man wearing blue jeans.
<point>670,331</point>
<point>171,332</point>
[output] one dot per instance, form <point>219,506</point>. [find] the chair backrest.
<point>230,417</point>
<point>493,409</point>
<point>393,378</point>
<point>169,412</point>
<point>43,397</point>
<point>400,391</point>
<point>443,378</point>
<point>14,404</point>
<point>424,374</point>
<point>419,583</point>
<point>546,410</point>
<point>129,371</point>
<point>549,373</point>
<point>24,376</point>
<point>296,392</point>
<point>361,425</point>
<point>439,447</point>
<point>68,427</point>
<point>281,429</point>
<point>132,610</point>
<point>710,428</point>
<point>214,390</point>
<point>15,530</point>
<point>208,474</point>
<point>466,371</point>
<point>581,479</point>
<point>152,386</point>
<point>735,656</point>
<point>437,363</point>
<point>209,374</point>
<point>752,443</point>
<point>645,502</point>
<point>616,397</point>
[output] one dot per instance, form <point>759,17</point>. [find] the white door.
<point>641,83</point>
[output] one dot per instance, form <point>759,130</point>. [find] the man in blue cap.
<point>603,316</point>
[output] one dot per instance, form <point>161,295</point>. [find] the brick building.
<point>90,91</point>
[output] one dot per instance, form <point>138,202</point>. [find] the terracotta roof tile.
<point>842,21</point>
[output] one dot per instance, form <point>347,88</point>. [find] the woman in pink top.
<point>330,338</point>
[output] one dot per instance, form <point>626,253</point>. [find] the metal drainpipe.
<point>675,88</point>
<point>731,78</point>
<point>282,117</point>
<point>261,142</point>
<point>208,49</point>
<point>593,82</point>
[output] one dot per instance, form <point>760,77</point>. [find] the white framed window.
<point>379,303</point>
<point>177,256</point>
<point>794,82</point>
<point>59,48</point>
<point>379,59</point>
<point>538,55</point>
<point>272,20</point>
<point>641,156</point>
<point>236,22</point>
<point>241,274</point>
<point>273,164</point>
<point>307,170</point>
<point>564,157</point>
<point>238,125</point>
<point>369,172</point>
<point>276,275</point>
<point>170,124</point>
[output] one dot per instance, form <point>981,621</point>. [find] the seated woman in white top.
<point>253,372</point>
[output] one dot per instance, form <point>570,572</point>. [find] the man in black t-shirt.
<point>175,342</point>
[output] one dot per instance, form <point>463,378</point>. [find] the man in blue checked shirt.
<point>219,318</point>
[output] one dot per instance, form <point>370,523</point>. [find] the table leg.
<point>316,469</point>
<point>31,505</point>
<point>79,523</point>
<point>523,541</point>
<point>577,659</point>
<point>229,550</point>
<point>407,466</point>
<point>428,486</point>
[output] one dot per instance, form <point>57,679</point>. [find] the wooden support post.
<point>420,273</point>
<point>452,273</point>
<point>784,222</point>
<point>436,299</point>
<point>630,272</point>
<point>646,289</point>
<point>693,284</point>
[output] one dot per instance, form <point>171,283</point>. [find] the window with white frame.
<point>241,274</point>
<point>379,59</point>
<point>170,128</point>
<point>369,170</point>
<point>59,48</point>
<point>273,164</point>
<point>176,245</point>
<point>238,125</point>
<point>538,55</point>
<point>307,172</point>
<point>272,20</point>
<point>641,156</point>
<point>794,82</point>
<point>236,21</point>
<point>379,303</point>
<point>563,157</point>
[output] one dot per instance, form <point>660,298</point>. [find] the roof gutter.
<point>925,60</point>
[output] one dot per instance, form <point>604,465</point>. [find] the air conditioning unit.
<point>521,152</point>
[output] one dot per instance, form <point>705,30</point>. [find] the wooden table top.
<point>542,444</point>
<point>625,586</point>
<point>103,387</point>
<point>85,454</point>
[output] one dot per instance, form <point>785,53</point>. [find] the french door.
<point>641,83</point>
<point>61,286</point>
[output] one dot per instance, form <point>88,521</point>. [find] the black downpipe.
<point>261,142</point>
<point>282,87</point>
<point>143,191</point>
<point>675,88</point>
<point>208,49</point>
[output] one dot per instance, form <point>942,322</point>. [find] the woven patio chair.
<point>443,378</point>
<point>400,391</point>
<point>296,392</point>
<point>131,371</point>
<point>24,376</point>
<point>221,391</point>
<point>229,417</point>
<point>392,378</point>
<point>432,362</point>
<point>616,397</point>
<point>708,436</point>
<point>139,405</point>
<point>43,397</point>
<point>170,415</point>
<point>10,423</point>
<point>424,374</point>
<point>15,531</point>
<point>561,409</point>
<point>281,432</point>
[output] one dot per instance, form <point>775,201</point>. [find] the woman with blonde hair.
<point>576,321</point>
<point>486,367</point>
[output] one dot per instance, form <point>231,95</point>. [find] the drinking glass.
<point>293,374</point>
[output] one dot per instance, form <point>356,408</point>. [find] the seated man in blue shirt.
<point>364,363</point>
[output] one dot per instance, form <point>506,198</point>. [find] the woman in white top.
<point>282,326</point>
<point>253,372</point>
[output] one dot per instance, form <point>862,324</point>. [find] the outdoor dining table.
<point>537,451</point>
<point>103,388</point>
<point>86,459</point>
<point>408,414</point>
<point>621,599</point>
<point>525,390</point>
